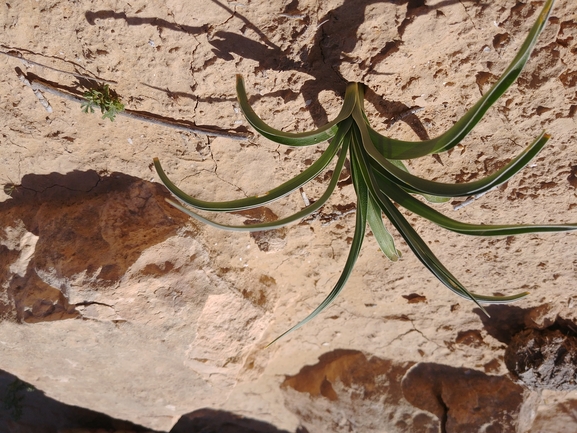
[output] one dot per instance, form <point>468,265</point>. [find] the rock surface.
<point>24,409</point>
<point>112,301</point>
<point>544,359</point>
<point>77,235</point>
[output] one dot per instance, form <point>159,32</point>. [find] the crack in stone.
<point>35,130</point>
<point>14,186</point>
<point>63,186</point>
<point>116,320</point>
<point>423,335</point>
<point>398,337</point>
<point>76,65</point>
<point>191,68</point>
<point>232,12</point>
<point>282,263</point>
<point>469,15</point>
<point>11,142</point>
<point>88,303</point>
<point>443,419</point>
<point>238,188</point>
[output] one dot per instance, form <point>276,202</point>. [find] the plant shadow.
<point>335,38</point>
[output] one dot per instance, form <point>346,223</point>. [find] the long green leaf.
<point>398,149</point>
<point>428,258</point>
<point>419,185</point>
<point>358,237</point>
<point>424,186</point>
<point>359,161</point>
<point>382,235</point>
<point>294,139</point>
<point>414,241</point>
<point>284,221</point>
<point>430,198</point>
<point>274,194</point>
<point>412,204</point>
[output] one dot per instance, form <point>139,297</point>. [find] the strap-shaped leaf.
<point>414,241</point>
<point>420,185</point>
<point>382,235</point>
<point>359,160</point>
<point>428,258</point>
<point>284,221</point>
<point>430,198</point>
<point>294,139</point>
<point>412,204</point>
<point>358,237</point>
<point>274,194</point>
<point>398,149</point>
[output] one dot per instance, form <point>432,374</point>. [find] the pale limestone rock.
<point>113,301</point>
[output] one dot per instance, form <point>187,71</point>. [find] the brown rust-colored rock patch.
<point>464,400</point>
<point>63,231</point>
<point>359,392</point>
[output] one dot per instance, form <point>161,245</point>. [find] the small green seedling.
<point>380,179</point>
<point>10,187</point>
<point>104,98</point>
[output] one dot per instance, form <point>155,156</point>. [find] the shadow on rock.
<point>348,390</point>
<point>541,345</point>
<point>505,321</point>
<point>545,358</point>
<point>25,409</point>
<point>219,421</point>
<point>333,44</point>
<point>81,229</point>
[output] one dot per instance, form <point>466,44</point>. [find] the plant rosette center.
<point>380,179</point>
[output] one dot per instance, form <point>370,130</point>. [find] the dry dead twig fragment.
<point>37,92</point>
<point>37,86</point>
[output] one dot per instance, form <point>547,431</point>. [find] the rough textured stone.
<point>556,417</point>
<point>209,420</point>
<point>370,394</point>
<point>358,393</point>
<point>464,400</point>
<point>165,318</point>
<point>70,236</point>
<point>544,359</point>
<point>24,409</point>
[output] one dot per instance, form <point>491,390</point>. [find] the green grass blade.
<point>412,204</point>
<point>397,149</point>
<point>413,240</point>
<point>274,194</point>
<point>284,221</point>
<point>428,258</point>
<point>430,198</point>
<point>423,186</point>
<point>382,235</point>
<point>358,237</point>
<point>294,139</point>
